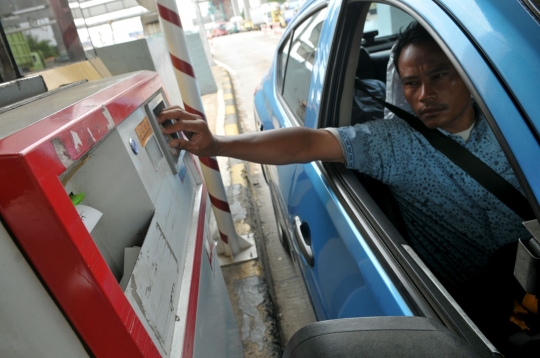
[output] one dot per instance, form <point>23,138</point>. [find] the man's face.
<point>434,89</point>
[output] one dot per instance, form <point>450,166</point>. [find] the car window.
<point>299,63</point>
<point>381,28</point>
<point>382,25</point>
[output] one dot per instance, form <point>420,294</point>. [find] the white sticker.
<point>89,216</point>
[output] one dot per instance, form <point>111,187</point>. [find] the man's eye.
<point>410,83</point>
<point>439,75</point>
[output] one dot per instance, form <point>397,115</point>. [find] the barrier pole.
<point>233,244</point>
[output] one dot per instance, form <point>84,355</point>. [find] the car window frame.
<point>279,64</point>
<point>290,114</point>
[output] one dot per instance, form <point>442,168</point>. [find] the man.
<point>454,224</point>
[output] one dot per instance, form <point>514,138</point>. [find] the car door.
<point>343,277</point>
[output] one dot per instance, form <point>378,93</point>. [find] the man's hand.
<point>201,141</point>
<point>280,146</point>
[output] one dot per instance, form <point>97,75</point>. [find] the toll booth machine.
<point>105,248</point>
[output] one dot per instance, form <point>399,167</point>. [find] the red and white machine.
<point>104,241</point>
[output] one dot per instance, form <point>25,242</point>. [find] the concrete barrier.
<point>151,54</point>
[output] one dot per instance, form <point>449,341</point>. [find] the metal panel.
<point>126,57</point>
<point>155,283</point>
<point>22,117</point>
<point>31,325</point>
<point>18,90</point>
<point>112,186</point>
<point>214,314</point>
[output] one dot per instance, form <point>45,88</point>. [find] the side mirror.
<point>377,337</point>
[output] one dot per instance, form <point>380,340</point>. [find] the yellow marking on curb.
<point>230,110</point>
<point>227,85</point>
<point>248,269</point>
<point>227,96</point>
<point>237,174</point>
<point>231,129</point>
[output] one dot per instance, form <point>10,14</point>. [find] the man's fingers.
<point>200,139</point>
<point>176,112</point>
<point>179,143</point>
<point>194,126</point>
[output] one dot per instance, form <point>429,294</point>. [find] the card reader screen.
<point>168,137</point>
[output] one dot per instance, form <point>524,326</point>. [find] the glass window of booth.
<point>41,34</point>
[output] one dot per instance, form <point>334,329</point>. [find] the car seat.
<point>380,192</point>
<point>365,108</point>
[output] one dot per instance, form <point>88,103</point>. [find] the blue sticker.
<point>183,170</point>
<point>133,146</point>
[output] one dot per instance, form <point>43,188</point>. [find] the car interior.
<point>366,44</point>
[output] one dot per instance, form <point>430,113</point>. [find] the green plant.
<point>43,46</point>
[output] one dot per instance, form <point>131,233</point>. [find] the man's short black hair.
<point>414,33</point>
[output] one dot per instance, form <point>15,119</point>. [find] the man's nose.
<point>427,92</point>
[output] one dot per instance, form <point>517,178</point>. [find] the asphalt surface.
<point>267,294</point>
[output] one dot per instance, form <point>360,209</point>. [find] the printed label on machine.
<point>144,131</point>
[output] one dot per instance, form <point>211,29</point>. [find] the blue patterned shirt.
<point>453,223</point>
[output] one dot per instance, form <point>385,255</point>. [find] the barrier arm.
<point>232,245</point>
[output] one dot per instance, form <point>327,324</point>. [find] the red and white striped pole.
<point>189,90</point>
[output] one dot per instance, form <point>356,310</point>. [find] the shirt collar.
<point>478,131</point>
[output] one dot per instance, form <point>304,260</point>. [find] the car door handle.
<point>303,239</point>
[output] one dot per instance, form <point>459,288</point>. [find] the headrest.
<point>394,88</point>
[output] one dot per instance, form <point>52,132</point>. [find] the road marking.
<point>231,129</point>
<point>230,110</point>
<point>238,173</point>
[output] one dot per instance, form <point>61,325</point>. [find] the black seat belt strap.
<point>460,156</point>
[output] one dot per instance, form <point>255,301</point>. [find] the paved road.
<point>247,57</point>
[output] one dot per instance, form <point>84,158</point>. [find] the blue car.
<point>343,229</point>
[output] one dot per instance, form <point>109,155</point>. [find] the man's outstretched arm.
<point>282,146</point>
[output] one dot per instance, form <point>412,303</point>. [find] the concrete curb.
<point>239,168</point>
<point>231,127</point>
<point>251,280</point>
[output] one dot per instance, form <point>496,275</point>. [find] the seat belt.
<point>468,162</point>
